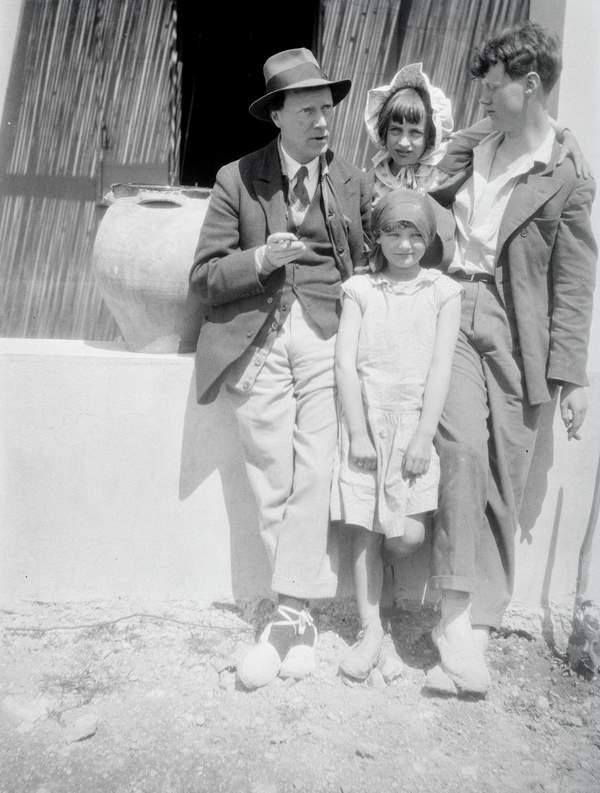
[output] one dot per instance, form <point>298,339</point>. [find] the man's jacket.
<point>545,267</point>
<point>246,206</point>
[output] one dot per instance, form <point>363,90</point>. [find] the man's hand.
<point>418,455</point>
<point>362,453</point>
<point>573,407</point>
<point>281,249</point>
<point>570,146</point>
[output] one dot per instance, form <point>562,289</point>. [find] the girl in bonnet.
<point>393,354</point>
<point>410,122</point>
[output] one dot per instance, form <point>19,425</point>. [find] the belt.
<point>460,275</point>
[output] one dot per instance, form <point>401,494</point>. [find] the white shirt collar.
<point>542,154</point>
<point>290,165</point>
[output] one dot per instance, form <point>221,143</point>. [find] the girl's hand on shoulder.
<point>362,453</point>
<point>570,147</point>
<point>418,455</point>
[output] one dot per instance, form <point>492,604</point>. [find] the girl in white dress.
<point>393,354</point>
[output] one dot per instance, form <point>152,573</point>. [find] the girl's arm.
<point>418,452</point>
<point>362,451</point>
<point>459,152</point>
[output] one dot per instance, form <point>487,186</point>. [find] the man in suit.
<point>285,225</point>
<point>525,256</point>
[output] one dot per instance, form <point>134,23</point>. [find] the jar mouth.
<point>159,203</point>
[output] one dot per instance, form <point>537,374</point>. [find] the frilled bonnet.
<point>411,76</point>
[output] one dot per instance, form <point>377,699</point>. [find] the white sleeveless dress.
<point>395,350</point>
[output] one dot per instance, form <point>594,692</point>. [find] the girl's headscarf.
<point>402,206</point>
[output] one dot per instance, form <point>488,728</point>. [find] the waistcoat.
<point>314,278</point>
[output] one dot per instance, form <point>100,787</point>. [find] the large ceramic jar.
<point>143,253</point>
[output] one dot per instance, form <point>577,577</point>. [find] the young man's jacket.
<point>545,266</point>
<point>246,206</point>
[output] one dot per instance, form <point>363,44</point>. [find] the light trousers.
<point>485,442</point>
<point>288,429</point>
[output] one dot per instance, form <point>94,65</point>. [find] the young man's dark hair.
<point>522,49</point>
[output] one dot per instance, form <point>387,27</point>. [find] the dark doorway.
<point>222,47</point>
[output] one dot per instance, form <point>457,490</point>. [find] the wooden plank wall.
<point>89,71</point>
<point>369,40</point>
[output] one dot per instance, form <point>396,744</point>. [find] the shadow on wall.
<point>411,574</point>
<point>547,624</point>
<point>537,481</point>
<point>210,443</point>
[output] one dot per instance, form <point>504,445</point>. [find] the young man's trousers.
<point>485,442</point>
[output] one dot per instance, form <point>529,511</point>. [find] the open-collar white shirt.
<point>480,203</point>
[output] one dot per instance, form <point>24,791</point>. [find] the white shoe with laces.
<point>301,659</point>
<point>285,647</point>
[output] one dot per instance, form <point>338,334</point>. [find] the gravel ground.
<point>142,698</point>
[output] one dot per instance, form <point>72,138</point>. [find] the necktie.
<point>300,198</point>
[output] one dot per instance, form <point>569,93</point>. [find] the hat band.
<point>295,74</point>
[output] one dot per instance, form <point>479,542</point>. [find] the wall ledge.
<point>86,349</point>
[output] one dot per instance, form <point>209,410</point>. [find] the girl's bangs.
<point>392,224</point>
<point>407,107</point>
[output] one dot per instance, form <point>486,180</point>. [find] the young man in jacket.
<point>525,256</point>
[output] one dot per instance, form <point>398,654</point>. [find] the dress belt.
<point>460,275</point>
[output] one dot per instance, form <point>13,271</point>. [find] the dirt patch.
<point>133,698</point>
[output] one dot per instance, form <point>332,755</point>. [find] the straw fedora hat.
<point>294,69</point>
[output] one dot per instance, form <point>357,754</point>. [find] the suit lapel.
<point>268,186</point>
<point>338,187</point>
<point>529,194</point>
<point>340,179</point>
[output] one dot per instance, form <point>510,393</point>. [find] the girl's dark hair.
<point>522,49</point>
<point>405,106</point>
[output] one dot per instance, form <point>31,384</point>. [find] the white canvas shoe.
<point>285,648</point>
